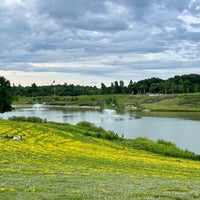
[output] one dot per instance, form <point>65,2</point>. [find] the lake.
<point>181,128</point>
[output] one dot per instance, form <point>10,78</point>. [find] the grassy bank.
<point>61,162</point>
<point>168,102</point>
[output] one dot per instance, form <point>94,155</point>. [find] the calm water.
<point>181,128</point>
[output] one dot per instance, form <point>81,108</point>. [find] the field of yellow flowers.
<point>51,163</point>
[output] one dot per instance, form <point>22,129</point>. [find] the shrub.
<point>97,132</point>
<point>160,147</point>
<point>167,143</point>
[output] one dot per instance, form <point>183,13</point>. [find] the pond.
<point>181,128</point>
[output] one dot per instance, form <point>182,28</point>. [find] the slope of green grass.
<point>167,102</point>
<point>52,162</point>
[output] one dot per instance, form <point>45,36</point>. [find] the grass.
<point>167,102</point>
<point>56,162</point>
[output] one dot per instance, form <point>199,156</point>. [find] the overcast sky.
<point>87,42</point>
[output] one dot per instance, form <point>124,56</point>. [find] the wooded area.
<point>176,85</point>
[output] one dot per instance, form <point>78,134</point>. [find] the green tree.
<point>117,87</point>
<point>130,87</point>
<point>121,86</point>
<point>5,95</point>
<point>103,88</point>
<point>154,88</point>
<point>34,89</point>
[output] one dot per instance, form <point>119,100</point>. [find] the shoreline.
<point>99,108</point>
<point>54,106</point>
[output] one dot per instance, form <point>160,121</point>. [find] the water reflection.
<point>182,115</point>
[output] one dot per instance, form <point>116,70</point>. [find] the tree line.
<point>176,85</point>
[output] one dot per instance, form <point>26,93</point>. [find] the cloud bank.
<point>98,39</point>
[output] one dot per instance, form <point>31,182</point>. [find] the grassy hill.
<point>166,102</point>
<point>57,162</point>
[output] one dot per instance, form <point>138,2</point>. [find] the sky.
<point>89,42</point>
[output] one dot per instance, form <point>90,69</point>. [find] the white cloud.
<point>192,23</point>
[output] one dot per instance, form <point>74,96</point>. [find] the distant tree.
<point>130,87</point>
<point>121,86</point>
<point>177,84</point>
<point>117,87</point>
<point>187,85</point>
<point>103,88</point>
<point>5,95</point>
<point>112,88</point>
<point>196,88</point>
<point>154,88</point>
<point>34,89</point>
<point>143,88</point>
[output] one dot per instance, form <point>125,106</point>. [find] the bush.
<point>160,147</point>
<point>97,132</point>
<point>167,143</point>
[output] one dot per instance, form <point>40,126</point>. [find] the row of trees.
<point>59,90</point>
<point>178,84</point>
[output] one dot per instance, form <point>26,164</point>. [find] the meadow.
<point>56,162</point>
<point>165,102</point>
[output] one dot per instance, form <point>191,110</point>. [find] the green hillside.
<point>57,162</point>
<point>166,102</point>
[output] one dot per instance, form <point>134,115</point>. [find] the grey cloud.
<point>195,25</point>
<point>16,67</point>
<point>193,7</point>
<point>176,5</point>
<point>69,9</point>
<point>70,31</point>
